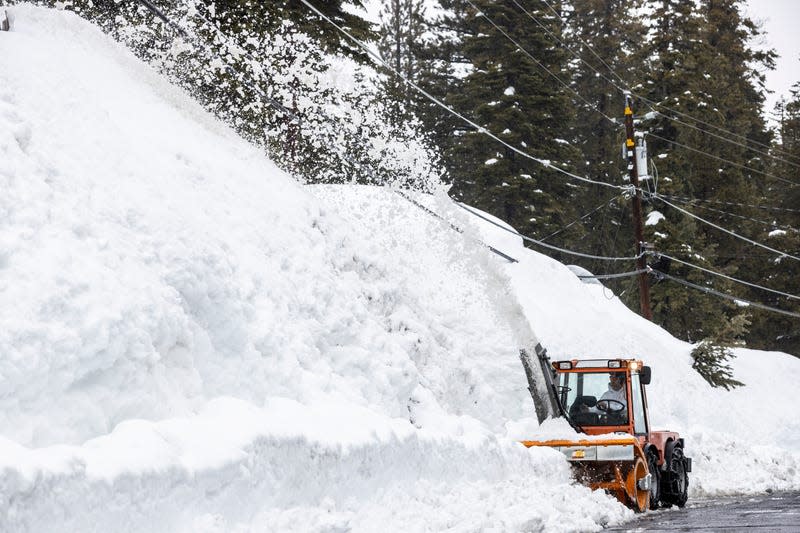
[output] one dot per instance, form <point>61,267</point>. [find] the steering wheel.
<point>610,407</point>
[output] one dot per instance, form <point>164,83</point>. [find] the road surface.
<point>778,513</point>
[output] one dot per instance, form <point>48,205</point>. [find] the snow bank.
<point>155,263</point>
<point>288,466</point>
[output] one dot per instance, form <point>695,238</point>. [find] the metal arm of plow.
<point>542,409</point>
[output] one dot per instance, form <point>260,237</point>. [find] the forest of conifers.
<point>543,81</point>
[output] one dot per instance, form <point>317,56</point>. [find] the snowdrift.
<point>190,340</point>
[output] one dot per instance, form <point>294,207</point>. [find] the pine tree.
<point>441,68</point>
<point>402,27</point>
<point>510,95</point>
<point>271,17</point>
<point>711,354</point>
<point>772,330</point>
<point>704,69</point>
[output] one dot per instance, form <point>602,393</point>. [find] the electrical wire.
<point>721,275</point>
<point>543,244</point>
<point>590,213</point>
<point>729,232</point>
<point>219,32</point>
<point>588,47</point>
<point>729,141</point>
<point>739,301</point>
<point>721,202</point>
<point>726,161</point>
<point>744,138</point>
<point>615,276</point>
<point>292,115</point>
<point>588,104</point>
<point>742,217</point>
<point>564,45</point>
<point>547,164</point>
<point>624,90</point>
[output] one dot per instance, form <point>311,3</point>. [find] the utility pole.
<point>641,263</point>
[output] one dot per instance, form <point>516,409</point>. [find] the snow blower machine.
<point>606,401</point>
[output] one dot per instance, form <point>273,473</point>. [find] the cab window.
<point>639,421</point>
<point>594,398</point>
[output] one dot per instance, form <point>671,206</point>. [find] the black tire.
<point>683,478</point>
<point>675,485</point>
<point>655,479</point>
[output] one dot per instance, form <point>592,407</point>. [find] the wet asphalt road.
<point>778,512</point>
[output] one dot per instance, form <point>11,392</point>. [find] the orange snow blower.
<point>606,400</point>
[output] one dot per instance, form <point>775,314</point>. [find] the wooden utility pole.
<point>641,262</point>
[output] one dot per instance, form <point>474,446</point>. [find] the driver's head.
<point>616,380</point>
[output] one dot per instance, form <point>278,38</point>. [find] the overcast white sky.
<point>781,20</point>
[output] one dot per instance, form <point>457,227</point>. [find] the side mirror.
<point>645,375</point>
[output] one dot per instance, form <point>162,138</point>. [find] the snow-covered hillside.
<point>190,340</point>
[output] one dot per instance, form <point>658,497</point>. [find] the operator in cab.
<point>616,389</point>
<point>614,401</point>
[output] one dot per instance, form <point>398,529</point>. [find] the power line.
<point>540,243</point>
<point>588,47</point>
<point>730,141</point>
<point>739,301</point>
<point>721,202</point>
<point>726,161</point>
<point>742,217</point>
<point>729,232</point>
<point>588,104</point>
<point>615,276</point>
<point>707,290</point>
<point>718,158</point>
<point>594,108</point>
<point>478,128</point>
<point>744,138</point>
<point>289,112</point>
<point>590,213</point>
<point>730,278</point>
<point>563,44</point>
<point>624,90</point>
<point>481,129</point>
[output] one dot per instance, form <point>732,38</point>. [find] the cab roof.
<point>605,364</point>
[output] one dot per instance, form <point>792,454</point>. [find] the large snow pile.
<point>192,341</point>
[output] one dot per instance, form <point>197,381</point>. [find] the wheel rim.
<point>640,498</point>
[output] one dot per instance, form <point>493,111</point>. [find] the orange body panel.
<point>624,441</point>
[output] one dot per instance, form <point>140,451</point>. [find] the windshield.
<point>594,398</point>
